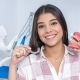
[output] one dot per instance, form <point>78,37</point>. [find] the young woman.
<point>54,61</point>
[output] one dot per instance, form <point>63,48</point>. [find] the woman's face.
<point>49,29</point>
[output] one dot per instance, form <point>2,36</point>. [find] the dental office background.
<point>14,13</point>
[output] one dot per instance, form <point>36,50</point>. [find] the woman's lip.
<point>50,36</point>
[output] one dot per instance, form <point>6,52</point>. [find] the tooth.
<point>49,36</point>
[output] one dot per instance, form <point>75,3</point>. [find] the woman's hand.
<point>19,53</point>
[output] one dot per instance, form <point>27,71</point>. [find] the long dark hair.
<point>35,41</point>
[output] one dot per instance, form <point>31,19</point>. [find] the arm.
<point>18,54</point>
<point>12,72</point>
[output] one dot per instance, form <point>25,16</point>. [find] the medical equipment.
<point>25,33</point>
<point>3,47</point>
<point>23,40</point>
<point>4,70</point>
<point>22,43</point>
<point>3,34</point>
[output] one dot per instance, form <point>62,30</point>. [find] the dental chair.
<point>25,31</point>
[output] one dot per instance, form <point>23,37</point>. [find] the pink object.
<point>75,42</point>
<point>74,45</point>
<point>76,36</point>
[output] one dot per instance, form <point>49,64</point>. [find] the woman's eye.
<point>40,26</point>
<point>53,23</point>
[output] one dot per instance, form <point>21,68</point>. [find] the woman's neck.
<point>54,51</point>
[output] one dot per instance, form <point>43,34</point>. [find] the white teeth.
<point>50,36</point>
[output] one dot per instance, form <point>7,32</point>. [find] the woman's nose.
<point>48,29</point>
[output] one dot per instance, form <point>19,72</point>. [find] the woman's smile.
<point>50,37</point>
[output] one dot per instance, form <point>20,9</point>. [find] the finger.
<point>25,46</point>
<point>17,53</point>
<point>22,50</point>
<point>25,50</point>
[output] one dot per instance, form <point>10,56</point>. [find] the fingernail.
<point>29,48</point>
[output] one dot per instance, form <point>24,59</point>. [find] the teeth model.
<point>75,41</point>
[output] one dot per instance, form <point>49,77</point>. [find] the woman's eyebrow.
<point>53,20</point>
<point>50,21</point>
<point>40,23</point>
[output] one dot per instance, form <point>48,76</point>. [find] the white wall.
<point>14,13</point>
<point>8,17</point>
